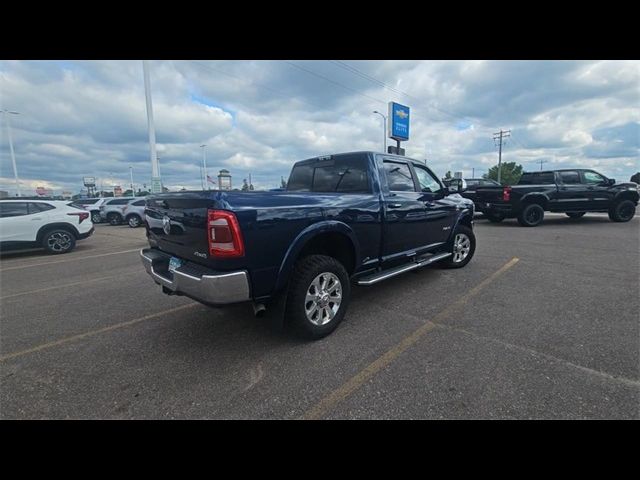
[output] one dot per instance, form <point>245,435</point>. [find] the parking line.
<point>91,333</point>
<point>83,282</point>
<point>355,382</point>
<point>68,260</point>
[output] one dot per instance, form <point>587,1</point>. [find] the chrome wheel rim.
<point>95,218</point>
<point>323,298</point>
<point>134,222</point>
<point>59,242</point>
<point>461,247</point>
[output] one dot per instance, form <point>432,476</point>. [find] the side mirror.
<point>457,185</point>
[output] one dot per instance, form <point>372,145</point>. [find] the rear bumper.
<point>494,208</point>
<point>195,281</point>
<point>82,236</point>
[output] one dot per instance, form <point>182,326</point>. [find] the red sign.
<point>42,191</point>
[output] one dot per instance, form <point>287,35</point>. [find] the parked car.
<point>112,209</point>
<point>134,213</point>
<point>473,184</point>
<point>52,225</point>
<point>91,205</point>
<point>363,217</point>
<point>571,191</point>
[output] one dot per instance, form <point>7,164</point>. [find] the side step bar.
<point>384,274</point>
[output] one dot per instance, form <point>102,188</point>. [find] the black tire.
<point>134,221</point>
<point>575,214</point>
<point>455,261</point>
<point>531,215</point>
<point>494,217</point>
<point>114,218</point>
<point>306,271</point>
<point>58,241</point>
<point>95,217</point>
<point>623,211</point>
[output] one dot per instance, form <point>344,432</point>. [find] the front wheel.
<point>622,211</point>
<point>531,215</point>
<point>95,217</point>
<point>575,214</point>
<point>464,246</point>
<point>114,219</point>
<point>318,296</point>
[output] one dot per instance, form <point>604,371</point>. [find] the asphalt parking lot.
<point>543,323</point>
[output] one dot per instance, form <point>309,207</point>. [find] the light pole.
<point>384,132</point>
<point>131,175</point>
<point>156,183</point>
<point>13,155</point>
<point>204,165</point>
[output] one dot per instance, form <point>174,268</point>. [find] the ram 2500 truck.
<point>359,217</point>
<point>571,191</point>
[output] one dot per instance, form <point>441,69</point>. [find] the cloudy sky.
<point>88,118</point>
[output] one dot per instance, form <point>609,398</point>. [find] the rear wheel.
<point>464,246</point>
<point>114,219</point>
<point>95,217</point>
<point>494,217</point>
<point>134,221</point>
<point>575,214</point>
<point>531,215</point>
<point>59,241</point>
<point>622,211</point>
<point>318,296</point>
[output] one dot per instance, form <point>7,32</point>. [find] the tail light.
<point>223,231</point>
<point>506,194</point>
<point>81,216</point>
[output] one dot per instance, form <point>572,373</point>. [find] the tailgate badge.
<point>198,254</point>
<point>166,225</point>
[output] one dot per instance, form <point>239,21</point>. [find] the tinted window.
<point>139,203</point>
<point>593,178</point>
<point>399,177</point>
<point>570,178</point>
<point>493,183</point>
<point>337,174</point>
<point>120,201</point>
<point>542,178</point>
<point>473,183</point>
<point>427,182</point>
<point>87,201</point>
<point>39,207</point>
<point>11,209</point>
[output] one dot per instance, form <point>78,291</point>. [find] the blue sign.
<point>399,125</point>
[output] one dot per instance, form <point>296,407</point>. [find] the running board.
<point>383,275</point>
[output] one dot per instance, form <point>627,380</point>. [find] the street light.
<point>384,132</point>
<point>131,174</point>
<point>204,166</point>
<point>13,155</point>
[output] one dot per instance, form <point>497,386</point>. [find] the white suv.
<point>52,225</point>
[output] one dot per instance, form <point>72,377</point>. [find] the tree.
<point>511,173</point>
<point>245,185</point>
<point>283,184</point>
<point>447,175</point>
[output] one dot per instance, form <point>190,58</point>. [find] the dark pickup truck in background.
<point>358,217</point>
<point>570,191</point>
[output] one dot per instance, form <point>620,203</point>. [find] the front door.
<point>597,190</point>
<point>571,192</point>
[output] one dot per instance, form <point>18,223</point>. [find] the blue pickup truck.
<point>359,217</point>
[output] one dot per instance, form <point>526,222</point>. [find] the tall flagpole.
<point>156,184</point>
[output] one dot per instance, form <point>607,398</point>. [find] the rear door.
<point>571,191</point>
<point>16,224</point>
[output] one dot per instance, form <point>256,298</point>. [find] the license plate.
<point>174,263</point>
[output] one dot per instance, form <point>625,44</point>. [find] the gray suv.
<point>112,209</point>
<point>134,213</point>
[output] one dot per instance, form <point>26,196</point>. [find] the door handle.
<point>36,218</point>
<point>394,205</point>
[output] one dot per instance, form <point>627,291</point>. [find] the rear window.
<point>120,201</point>
<point>341,173</point>
<point>570,178</point>
<point>139,203</point>
<point>39,207</point>
<point>87,201</point>
<point>542,178</point>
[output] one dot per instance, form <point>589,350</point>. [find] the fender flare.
<point>534,194</point>
<point>464,214</point>
<point>304,237</point>
<point>633,195</point>
<point>52,226</point>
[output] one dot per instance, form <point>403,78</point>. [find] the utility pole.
<point>156,183</point>
<point>541,162</point>
<point>499,136</point>
<point>13,155</point>
<point>204,166</point>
